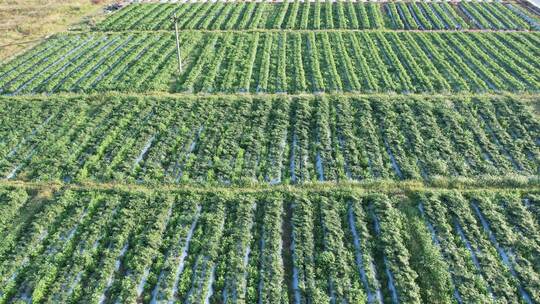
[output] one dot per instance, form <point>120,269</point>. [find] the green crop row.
<point>273,246</point>
<point>287,62</point>
<point>265,139</point>
<point>322,15</point>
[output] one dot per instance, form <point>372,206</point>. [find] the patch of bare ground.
<point>24,23</point>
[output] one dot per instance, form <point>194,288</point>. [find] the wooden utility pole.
<point>175,20</point>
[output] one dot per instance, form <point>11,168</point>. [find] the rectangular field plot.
<point>95,62</point>
<point>411,15</point>
<point>275,62</point>
<point>269,140</point>
<point>87,245</point>
<point>419,15</point>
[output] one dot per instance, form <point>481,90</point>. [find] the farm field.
<point>279,62</point>
<point>232,140</point>
<point>274,246</point>
<point>301,153</point>
<point>411,15</point>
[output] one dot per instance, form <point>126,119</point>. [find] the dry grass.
<point>28,20</point>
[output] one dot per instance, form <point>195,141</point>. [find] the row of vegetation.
<point>279,62</point>
<point>275,246</point>
<point>417,15</point>
<point>241,139</point>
